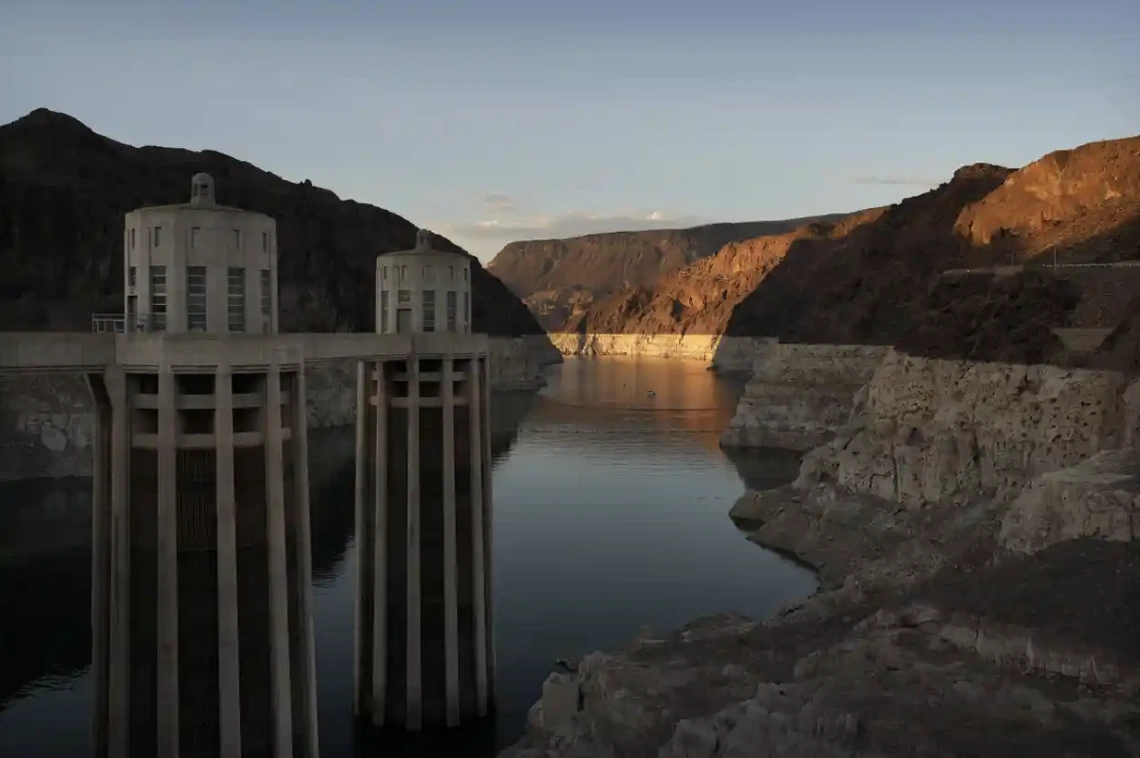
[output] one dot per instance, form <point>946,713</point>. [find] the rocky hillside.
<point>64,190</point>
<point>560,278</point>
<point>876,276</point>
<point>700,299</point>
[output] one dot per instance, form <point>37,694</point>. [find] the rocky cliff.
<point>976,527</point>
<point>65,190</point>
<point>561,277</point>
<point>874,277</point>
<point>799,395</point>
<point>938,431</point>
<point>731,355</point>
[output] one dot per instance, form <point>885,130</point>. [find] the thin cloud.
<point>498,203</point>
<point>571,225</point>
<point>904,181</point>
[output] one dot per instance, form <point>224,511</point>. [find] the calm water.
<point>610,515</point>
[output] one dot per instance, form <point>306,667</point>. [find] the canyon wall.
<point>47,425</point>
<point>724,354</point>
<point>927,431</point>
<point>800,394</point>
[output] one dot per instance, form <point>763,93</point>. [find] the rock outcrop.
<point>974,526</point>
<point>929,430</point>
<point>799,395</point>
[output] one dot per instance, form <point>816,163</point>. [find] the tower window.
<point>266,294</point>
<point>132,239</point>
<point>157,236</point>
<point>158,298</point>
<point>429,273</point>
<point>265,242</point>
<point>237,239</point>
<point>452,304</point>
<point>467,310</point>
<point>383,273</point>
<point>403,297</point>
<point>196,298</point>
<point>383,311</point>
<point>194,237</point>
<point>132,275</point>
<point>465,272</point>
<point>451,273</point>
<point>235,299</point>
<point>429,310</point>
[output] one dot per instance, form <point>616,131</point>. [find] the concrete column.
<point>167,541</point>
<point>229,657</point>
<point>488,529</point>
<point>100,559</point>
<point>278,578</point>
<point>364,546</point>
<point>414,675</point>
<point>118,678</point>
<point>478,577</point>
<point>379,540</point>
<point>300,424</point>
<point>450,595</point>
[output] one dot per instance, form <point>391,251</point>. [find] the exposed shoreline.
<point>974,531</point>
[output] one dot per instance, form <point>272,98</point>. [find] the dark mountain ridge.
<point>64,190</point>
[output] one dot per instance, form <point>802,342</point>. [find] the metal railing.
<point>116,323</point>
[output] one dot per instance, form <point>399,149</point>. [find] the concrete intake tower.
<point>424,653</point>
<point>201,592</point>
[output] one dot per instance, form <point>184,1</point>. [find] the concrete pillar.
<point>278,578</point>
<point>364,545</point>
<point>379,541</point>
<point>414,670</point>
<point>450,595</point>
<point>100,559</point>
<point>119,643</point>
<point>167,543</point>
<point>478,578</point>
<point>229,658</point>
<point>300,424</point>
<point>488,531</point>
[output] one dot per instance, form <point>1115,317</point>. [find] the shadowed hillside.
<point>558,278</point>
<point>875,277</point>
<point>64,190</point>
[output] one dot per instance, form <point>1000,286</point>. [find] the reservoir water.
<point>611,503</point>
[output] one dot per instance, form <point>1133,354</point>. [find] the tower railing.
<point>117,323</point>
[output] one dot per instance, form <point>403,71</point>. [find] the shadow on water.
<point>45,560</point>
<point>45,569</point>
<point>764,468</point>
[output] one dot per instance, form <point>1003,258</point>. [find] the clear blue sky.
<point>493,120</point>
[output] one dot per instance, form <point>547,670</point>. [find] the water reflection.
<point>45,537</point>
<point>610,514</point>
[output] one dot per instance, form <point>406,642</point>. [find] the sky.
<point>497,120</point>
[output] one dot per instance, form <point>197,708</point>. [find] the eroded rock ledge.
<point>977,532</point>
<point>800,394</point>
<point>730,355</point>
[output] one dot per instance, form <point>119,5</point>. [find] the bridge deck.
<point>80,352</point>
